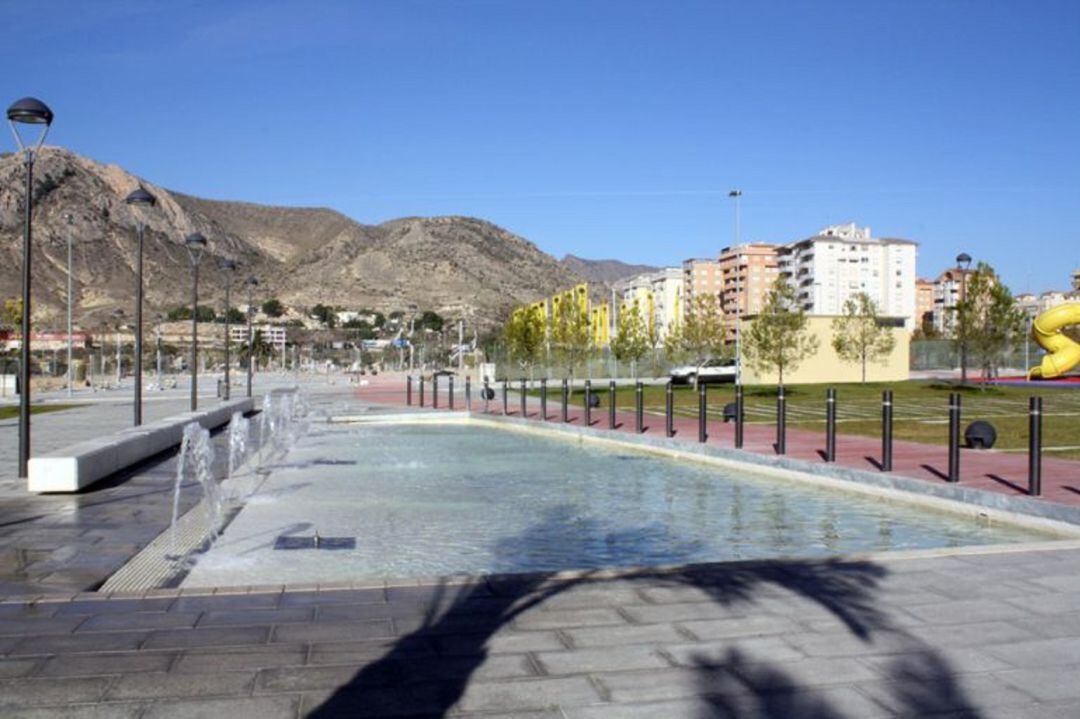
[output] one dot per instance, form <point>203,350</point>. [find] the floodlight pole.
<point>737,194</point>
<point>70,302</point>
<point>195,244</point>
<point>251,283</point>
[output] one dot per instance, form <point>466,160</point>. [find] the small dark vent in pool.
<point>316,542</point>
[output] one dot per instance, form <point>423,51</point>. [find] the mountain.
<point>604,271</point>
<point>457,266</point>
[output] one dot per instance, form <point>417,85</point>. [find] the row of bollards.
<point>737,414</point>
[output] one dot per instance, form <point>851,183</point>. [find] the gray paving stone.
<point>679,612</point>
<point>1047,603</point>
<point>18,667</point>
<point>1069,582</point>
<point>161,684</point>
<point>1045,683</point>
<point>582,661</point>
<point>40,625</point>
<point>365,651</point>
<point>71,665</point>
<point>138,620</point>
<point>16,693</point>
<point>215,637</point>
<point>753,625</point>
<point>569,618</point>
<point>336,597</point>
<point>225,602</point>
<point>114,606</point>
<point>924,694</point>
<point>1038,653</point>
<point>332,631</point>
<point>501,643</point>
<point>969,635</point>
<point>218,618</point>
<point>626,634</point>
<point>844,643</point>
<point>415,700</point>
<point>109,710</point>
<point>528,694</point>
<point>75,643</point>
<point>197,661</point>
<point>270,707</point>
<point>963,611</point>
<point>764,649</point>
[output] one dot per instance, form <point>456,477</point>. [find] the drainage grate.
<point>316,542</point>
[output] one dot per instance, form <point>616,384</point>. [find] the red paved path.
<point>1004,472</point>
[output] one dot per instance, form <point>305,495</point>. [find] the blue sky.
<point>606,129</point>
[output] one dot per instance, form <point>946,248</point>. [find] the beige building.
<point>700,277</point>
<point>826,367</point>
<point>659,296</point>
<point>1076,280</point>
<point>746,273</point>
<point>949,289</point>
<point>924,302</point>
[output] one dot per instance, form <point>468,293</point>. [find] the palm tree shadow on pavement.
<point>427,671</point>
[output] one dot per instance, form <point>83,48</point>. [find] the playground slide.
<point>1063,353</point>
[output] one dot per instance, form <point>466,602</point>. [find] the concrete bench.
<point>79,465</point>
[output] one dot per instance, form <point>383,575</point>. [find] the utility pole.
<point>737,194</point>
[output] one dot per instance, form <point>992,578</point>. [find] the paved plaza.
<point>989,632</point>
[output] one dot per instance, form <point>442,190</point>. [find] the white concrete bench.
<point>79,465</point>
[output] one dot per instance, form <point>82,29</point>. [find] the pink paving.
<point>1002,472</point>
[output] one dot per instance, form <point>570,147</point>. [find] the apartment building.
<point>1076,280</point>
<point>700,277</point>
<point>658,294</point>
<point>843,260</point>
<point>273,335</point>
<point>747,272</point>
<point>949,289</point>
<point>924,303</point>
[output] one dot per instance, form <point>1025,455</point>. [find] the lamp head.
<point>29,111</point>
<point>251,281</point>
<point>195,244</point>
<point>140,198</point>
<point>735,193</point>
<point>963,260</point>
<point>227,264</point>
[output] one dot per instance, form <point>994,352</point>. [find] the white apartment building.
<point>949,288</point>
<point>843,260</point>
<point>273,335</point>
<point>662,291</point>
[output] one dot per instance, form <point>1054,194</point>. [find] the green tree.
<point>273,308</point>
<point>206,314</point>
<point>630,342</point>
<point>859,336</point>
<point>236,317</point>
<point>777,338</point>
<point>571,338</point>
<point>11,313</point>
<point>703,332</point>
<point>988,319</point>
<point>430,320</point>
<point>259,348</point>
<point>325,314</point>
<point>524,335</point>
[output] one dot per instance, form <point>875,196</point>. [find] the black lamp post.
<point>138,200</point>
<point>251,283</point>
<point>195,244</point>
<point>229,267</point>
<point>27,111</point>
<point>963,261</point>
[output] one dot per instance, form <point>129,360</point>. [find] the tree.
<point>571,337</point>
<point>777,338</point>
<point>11,313</point>
<point>988,319</point>
<point>273,308</point>
<point>259,348</point>
<point>702,333</point>
<point>324,314</point>
<point>430,320</point>
<point>236,317</point>
<point>205,314</point>
<point>524,335</point>
<point>859,336</point>
<point>630,343</point>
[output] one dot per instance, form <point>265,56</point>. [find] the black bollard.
<point>421,390</point>
<point>954,437</point>
<point>639,407</point>
<point>408,391</point>
<point>450,390</point>
<point>487,394</point>
<point>886,430</point>
<point>702,406</point>
<point>669,410</point>
<point>781,421</point>
<point>588,403</point>
<point>830,425</point>
<point>543,399</point>
<point>506,396</point>
<point>565,401</point>
<point>468,393</point>
<point>1035,446</point>
<point>611,405</point>
<point>521,392</point>
<point>434,391</point>
<point>739,417</point>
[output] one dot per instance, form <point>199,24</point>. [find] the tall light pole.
<point>963,261</point>
<point>195,244</point>
<point>70,301</point>
<point>251,284</point>
<point>736,195</point>
<point>27,111</point>
<point>138,200</point>
<point>228,267</point>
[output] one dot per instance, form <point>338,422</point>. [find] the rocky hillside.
<point>603,271</point>
<point>454,265</point>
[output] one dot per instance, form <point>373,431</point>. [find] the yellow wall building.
<point>826,367</point>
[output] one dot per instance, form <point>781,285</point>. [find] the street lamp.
<point>27,111</point>
<point>139,199</point>
<point>963,261</point>
<point>229,267</point>
<point>195,244</point>
<point>70,300</point>
<point>736,194</point>
<point>251,283</point>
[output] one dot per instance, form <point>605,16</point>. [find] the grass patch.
<point>13,411</point>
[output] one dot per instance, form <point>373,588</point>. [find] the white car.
<point>710,371</point>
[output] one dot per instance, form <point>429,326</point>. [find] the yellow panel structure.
<point>1063,352</point>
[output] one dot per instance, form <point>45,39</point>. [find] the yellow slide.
<point>1063,353</point>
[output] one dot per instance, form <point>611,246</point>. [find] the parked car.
<point>710,371</point>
